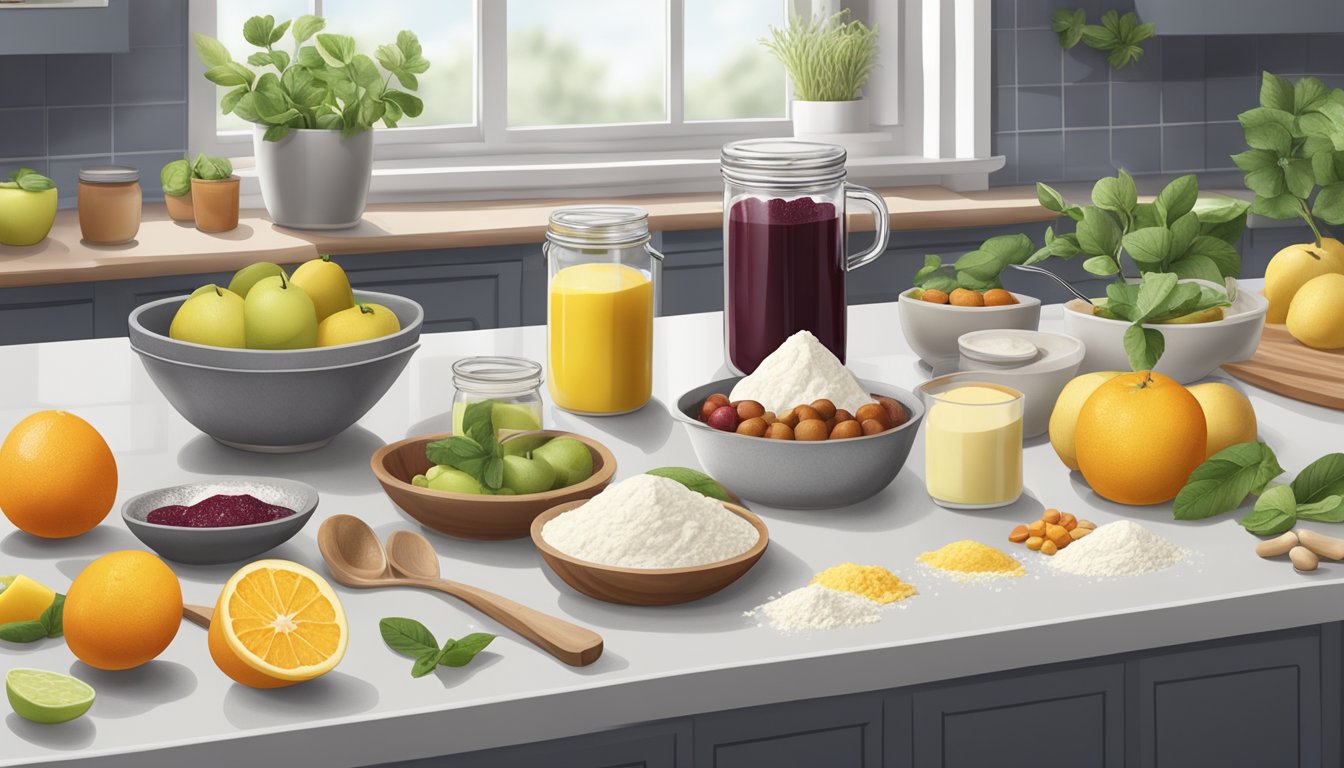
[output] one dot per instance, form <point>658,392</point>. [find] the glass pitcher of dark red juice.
<point>784,245</point>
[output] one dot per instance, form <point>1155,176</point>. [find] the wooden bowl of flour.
<point>648,586</point>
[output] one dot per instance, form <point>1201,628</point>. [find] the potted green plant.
<point>829,61</point>
<point>314,107</point>
<point>214,193</point>
<point>27,208</point>
<point>175,178</point>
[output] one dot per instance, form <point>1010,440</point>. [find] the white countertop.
<point>659,662</point>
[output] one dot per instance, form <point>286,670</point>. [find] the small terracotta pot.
<point>179,208</point>
<point>215,204</point>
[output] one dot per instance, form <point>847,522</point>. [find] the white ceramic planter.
<point>314,179</point>
<point>827,117</point>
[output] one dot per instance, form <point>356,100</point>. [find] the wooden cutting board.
<point>1282,364</point>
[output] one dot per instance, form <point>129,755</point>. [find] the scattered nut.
<point>749,409</point>
<point>811,429</point>
<point>1034,543</point>
<point>789,418</point>
<point>825,408</point>
<point>1303,559</point>
<point>1068,521</point>
<point>754,427</point>
<point>1279,545</point>
<point>841,415</point>
<point>1037,528</point>
<point>1019,534</point>
<point>779,431</point>
<point>1088,524</point>
<point>1049,547</point>
<point>872,411</point>
<point>770,417</point>
<point>1058,534</point>
<point>1051,516</point>
<point>846,429</point>
<point>1328,547</point>
<point>1078,533</point>
<point>872,427</point>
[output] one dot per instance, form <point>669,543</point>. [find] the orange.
<point>1138,438</point>
<point>277,623</point>
<point>122,610</point>
<point>58,478</point>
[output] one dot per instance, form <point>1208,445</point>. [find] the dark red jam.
<point>219,511</point>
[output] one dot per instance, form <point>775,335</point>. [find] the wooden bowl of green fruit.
<point>452,494</point>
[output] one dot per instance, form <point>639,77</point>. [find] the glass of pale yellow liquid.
<point>973,445</point>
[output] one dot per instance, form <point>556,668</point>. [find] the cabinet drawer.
<point>46,313</point>
<point>843,732</point>
<point>658,745</point>
<point>456,297</point>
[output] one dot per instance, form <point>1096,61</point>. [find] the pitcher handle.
<point>883,225</point>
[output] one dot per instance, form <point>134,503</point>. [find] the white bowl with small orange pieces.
<point>932,329</point>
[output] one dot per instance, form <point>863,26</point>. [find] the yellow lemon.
<point>1227,413</point>
<point>1293,267</point>
<point>22,599</point>
<point>1316,317</point>
<point>358,323</point>
<point>326,284</point>
<point>1064,418</point>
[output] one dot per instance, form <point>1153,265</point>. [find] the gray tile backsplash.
<point>61,112</point>
<point>1067,116</point>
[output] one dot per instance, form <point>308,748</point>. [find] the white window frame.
<point>929,98</point>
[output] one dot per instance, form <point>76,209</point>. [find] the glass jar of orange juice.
<point>602,298</point>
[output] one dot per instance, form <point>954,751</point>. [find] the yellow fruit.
<point>326,284</point>
<point>1316,317</point>
<point>1292,267</point>
<point>277,623</point>
<point>1064,418</point>
<point>1210,315</point>
<point>1228,415</point>
<point>1139,437</point>
<point>58,478</point>
<point>22,599</point>
<point>358,323</point>
<point>122,610</point>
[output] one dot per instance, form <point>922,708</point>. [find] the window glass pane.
<point>447,32</point>
<point>229,18</point>
<point>585,62</point>
<point>729,76</point>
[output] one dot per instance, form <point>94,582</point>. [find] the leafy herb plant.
<point>1121,38</point>
<point>323,84</point>
<point>410,638</point>
<point>30,181</point>
<point>1224,482</point>
<point>176,176</point>
<point>1296,140</point>
<point>827,59</point>
<point>475,451</point>
<point>976,270</point>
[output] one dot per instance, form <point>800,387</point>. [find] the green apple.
<point>276,315</point>
<point>455,481</point>
<point>572,460</point>
<point>511,416</point>
<point>211,317</point>
<point>436,470</point>
<point>25,217</point>
<point>420,481</point>
<point>209,288</point>
<point>527,475</point>
<point>248,276</point>
<point>522,445</point>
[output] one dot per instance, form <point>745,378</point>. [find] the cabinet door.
<point>842,732</point>
<point>1072,718</point>
<point>659,745</point>
<point>456,297</point>
<point>46,313</point>
<point>1253,703</point>
<point>692,272</point>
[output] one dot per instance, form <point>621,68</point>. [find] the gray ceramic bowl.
<point>148,330</point>
<point>211,546</point>
<point>800,475</point>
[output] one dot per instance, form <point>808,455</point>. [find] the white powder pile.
<point>650,522</point>
<point>818,607</point>
<point>1122,548</point>
<point>800,371</point>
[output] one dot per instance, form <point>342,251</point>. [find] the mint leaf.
<point>696,481</point>
<point>1277,93</point>
<point>426,663</point>
<point>1329,204</point>
<point>1068,24</point>
<point>407,636</point>
<point>1280,206</point>
<point>335,50</point>
<point>1275,512</point>
<point>1327,510</point>
<point>459,653</point>
<point>306,26</point>
<point>1309,94</point>
<point>257,30</point>
<point>1270,137</point>
<point>1298,178</point>
<point>1320,479</point>
<point>455,449</point>
<point>22,631</point>
<point>492,473</point>
<point>1224,481</point>
<point>53,618</point>
<point>1143,347</point>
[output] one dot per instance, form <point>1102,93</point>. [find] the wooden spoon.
<point>356,558</point>
<point>197,614</point>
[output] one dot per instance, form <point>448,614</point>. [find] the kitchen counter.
<point>165,247</point>
<point>659,662</point>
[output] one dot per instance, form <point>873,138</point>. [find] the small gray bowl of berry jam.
<point>222,520</point>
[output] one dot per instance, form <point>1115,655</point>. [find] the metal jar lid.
<point>782,163</point>
<point>108,174</point>
<point>586,226</point>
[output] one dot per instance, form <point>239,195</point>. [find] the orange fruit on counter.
<point>122,610</point>
<point>1138,438</point>
<point>277,623</point>
<point>58,478</point>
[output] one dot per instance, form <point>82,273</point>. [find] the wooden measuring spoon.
<point>356,558</point>
<point>197,614</point>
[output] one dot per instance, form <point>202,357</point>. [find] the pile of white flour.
<point>800,371</point>
<point>818,607</point>
<point>1122,548</point>
<point>650,522</point>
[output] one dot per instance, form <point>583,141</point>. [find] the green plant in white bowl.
<point>829,60</point>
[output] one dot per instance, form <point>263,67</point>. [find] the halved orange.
<point>277,623</point>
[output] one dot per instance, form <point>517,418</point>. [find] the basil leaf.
<point>1115,193</point>
<point>1154,292</point>
<point>1098,233</point>
<point>306,26</point>
<point>1008,249</point>
<point>1196,266</point>
<point>1149,246</point>
<point>31,181</point>
<point>1143,347</point>
<point>1275,512</point>
<point>426,663</point>
<point>1068,24</point>
<point>1224,481</point>
<point>22,631</point>
<point>407,636</point>
<point>454,450</point>
<point>1277,206</point>
<point>335,50</point>
<point>257,30</point>
<point>1049,198</point>
<point>1101,265</point>
<point>53,618</point>
<point>1329,203</point>
<point>478,423</point>
<point>459,653</point>
<point>978,264</point>
<point>211,52</point>
<point>1277,93</point>
<point>1327,510</point>
<point>1320,479</point>
<point>1221,253</point>
<point>1178,198</point>
<point>696,481</point>
<point>492,473</point>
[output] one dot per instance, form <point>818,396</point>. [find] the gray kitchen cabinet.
<point>1070,718</point>
<point>46,313</point>
<point>55,29</point>
<point>660,745</point>
<point>1253,702</point>
<point>692,271</point>
<point>841,732</point>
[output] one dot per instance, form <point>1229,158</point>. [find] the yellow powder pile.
<point>971,559</point>
<point>871,581</point>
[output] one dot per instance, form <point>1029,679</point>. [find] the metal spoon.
<point>1052,276</point>
<point>356,558</point>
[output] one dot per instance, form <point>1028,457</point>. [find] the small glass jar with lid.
<point>513,383</point>
<point>109,204</point>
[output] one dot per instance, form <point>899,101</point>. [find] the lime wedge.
<point>47,697</point>
<point>5,581</point>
